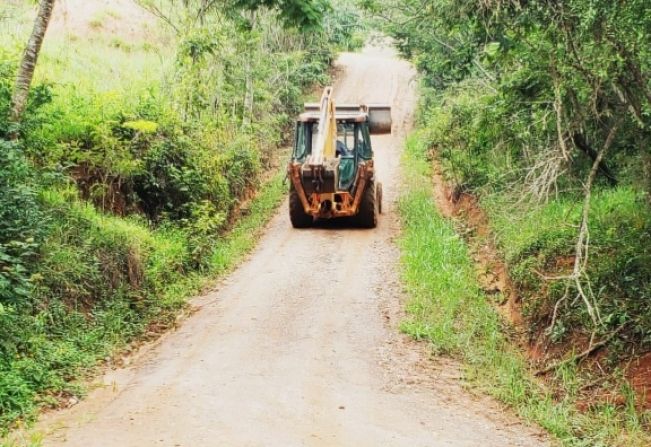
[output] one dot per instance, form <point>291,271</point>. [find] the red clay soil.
<point>637,373</point>
<point>493,277</point>
<point>639,376</point>
<point>491,269</point>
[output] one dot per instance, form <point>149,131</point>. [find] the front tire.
<point>368,208</point>
<point>297,214</point>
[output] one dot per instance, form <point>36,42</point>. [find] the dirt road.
<point>300,345</point>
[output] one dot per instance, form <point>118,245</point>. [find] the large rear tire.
<point>297,215</point>
<point>368,208</point>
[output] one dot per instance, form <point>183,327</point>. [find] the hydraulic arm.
<point>327,131</point>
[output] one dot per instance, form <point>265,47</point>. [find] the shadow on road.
<point>341,223</point>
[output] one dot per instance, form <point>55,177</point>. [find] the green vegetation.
<point>448,308</point>
<point>542,111</point>
<point>521,101</point>
<point>538,237</point>
<point>130,183</point>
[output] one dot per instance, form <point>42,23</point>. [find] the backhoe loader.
<point>331,170</point>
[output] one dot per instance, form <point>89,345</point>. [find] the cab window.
<point>300,146</point>
<point>364,142</point>
<point>345,138</point>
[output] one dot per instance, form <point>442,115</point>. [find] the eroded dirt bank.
<point>300,345</point>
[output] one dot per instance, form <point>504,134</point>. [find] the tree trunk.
<point>248,82</point>
<point>28,64</point>
<point>581,143</point>
<point>248,94</point>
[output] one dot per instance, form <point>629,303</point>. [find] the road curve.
<point>299,346</point>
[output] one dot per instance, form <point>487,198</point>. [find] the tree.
<point>302,14</point>
<point>28,63</point>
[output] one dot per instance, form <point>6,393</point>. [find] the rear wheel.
<point>368,208</point>
<point>297,214</point>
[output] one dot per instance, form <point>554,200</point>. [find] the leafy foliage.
<point>22,225</point>
<point>520,100</point>
<point>550,74</point>
<point>304,14</point>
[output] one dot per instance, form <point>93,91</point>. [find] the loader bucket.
<point>379,115</point>
<point>379,118</point>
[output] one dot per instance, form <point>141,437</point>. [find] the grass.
<point>127,315</point>
<point>95,61</point>
<point>541,237</point>
<point>523,226</point>
<point>448,309</point>
<point>244,236</point>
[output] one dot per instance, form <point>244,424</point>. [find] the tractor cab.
<point>352,146</point>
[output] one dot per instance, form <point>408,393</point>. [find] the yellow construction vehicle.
<point>331,171</point>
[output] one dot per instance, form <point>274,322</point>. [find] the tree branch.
<point>592,348</point>
<point>580,142</point>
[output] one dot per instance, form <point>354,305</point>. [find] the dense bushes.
<point>447,307</point>
<point>520,100</point>
<point>96,281</point>
<point>538,238</point>
<point>73,283</point>
<point>537,228</point>
<point>22,224</point>
<point>542,239</point>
